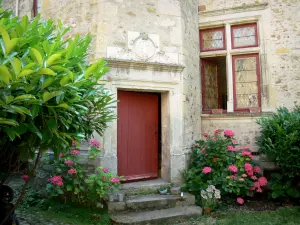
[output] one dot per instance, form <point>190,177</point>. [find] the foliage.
<point>279,140</point>
<point>219,161</point>
<point>32,198</point>
<point>71,183</point>
<point>210,197</point>
<point>53,212</point>
<point>49,92</point>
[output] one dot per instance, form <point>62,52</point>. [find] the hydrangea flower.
<point>69,162</point>
<point>256,169</point>
<point>57,180</point>
<point>114,180</point>
<point>105,170</point>
<point>95,143</point>
<point>72,171</point>
<point>248,154</point>
<point>263,181</point>
<point>233,168</point>
<point>75,152</point>
<point>25,177</point>
<point>240,200</point>
<point>206,170</point>
<point>228,133</point>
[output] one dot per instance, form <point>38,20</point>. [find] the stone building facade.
<point>154,46</point>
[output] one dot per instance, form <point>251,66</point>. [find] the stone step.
<point>143,187</point>
<point>163,216</point>
<point>149,202</point>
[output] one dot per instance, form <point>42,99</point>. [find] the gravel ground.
<point>35,219</point>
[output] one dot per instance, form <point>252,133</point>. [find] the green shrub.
<point>50,92</point>
<point>219,161</point>
<point>279,140</point>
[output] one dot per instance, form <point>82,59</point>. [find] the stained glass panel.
<point>244,36</point>
<point>210,86</point>
<point>212,39</point>
<point>246,82</point>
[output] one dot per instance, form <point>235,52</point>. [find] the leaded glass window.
<point>211,93</point>
<point>212,39</point>
<point>244,36</point>
<point>246,81</point>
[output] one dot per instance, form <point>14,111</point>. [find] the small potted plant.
<point>210,198</point>
<point>163,190</point>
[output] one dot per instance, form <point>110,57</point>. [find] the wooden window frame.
<point>234,82</point>
<point>204,110</point>
<point>242,26</point>
<point>209,30</point>
<point>35,8</point>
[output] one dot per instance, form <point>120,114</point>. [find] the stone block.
<point>201,8</point>
<point>116,206</point>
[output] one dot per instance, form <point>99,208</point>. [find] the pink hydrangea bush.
<point>70,181</point>
<point>219,160</point>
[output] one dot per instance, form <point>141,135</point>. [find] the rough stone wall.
<point>191,79</point>
<point>284,51</point>
<point>25,7</point>
<point>211,5</point>
<point>244,127</point>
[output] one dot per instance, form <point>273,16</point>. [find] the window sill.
<point>238,114</point>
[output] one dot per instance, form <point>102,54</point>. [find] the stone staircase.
<point>142,205</point>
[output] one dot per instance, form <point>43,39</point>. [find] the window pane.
<point>246,82</point>
<point>210,86</point>
<point>212,39</point>
<point>244,36</point>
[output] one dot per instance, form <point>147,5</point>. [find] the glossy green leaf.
<point>47,82</point>
<point>16,64</point>
<point>90,70</point>
<point>5,75</point>
<point>23,97</point>
<point>46,71</point>
<point>20,109</point>
<point>64,80</point>
<point>25,72</point>
<point>10,122</point>
<point>34,130</point>
<point>37,56</point>
<point>47,96</point>
<point>52,59</point>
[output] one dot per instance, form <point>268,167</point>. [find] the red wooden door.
<point>138,135</point>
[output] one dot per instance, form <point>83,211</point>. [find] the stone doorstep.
<point>143,187</point>
<point>154,201</point>
<point>163,216</point>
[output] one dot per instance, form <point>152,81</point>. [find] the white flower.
<point>209,195</point>
<point>217,196</point>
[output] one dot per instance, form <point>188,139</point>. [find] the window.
<point>212,39</point>
<point>244,36</point>
<point>230,69</point>
<point>36,7</point>
<point>246,77</point>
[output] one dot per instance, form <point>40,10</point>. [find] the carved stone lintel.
<point>115,63</point>
<point>243,8</point>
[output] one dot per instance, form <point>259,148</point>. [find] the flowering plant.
<point>219,160</point>
<point>71,182</point>
<point>210,197</point>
